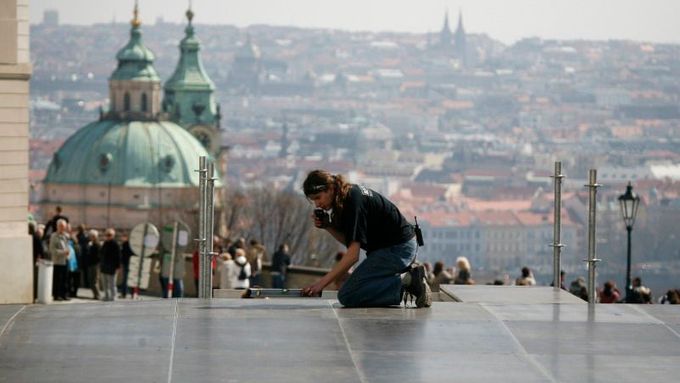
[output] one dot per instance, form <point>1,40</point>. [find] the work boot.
<point>418,288</point>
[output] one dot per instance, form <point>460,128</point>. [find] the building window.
<point>144,102</point>
<point>126,102</point>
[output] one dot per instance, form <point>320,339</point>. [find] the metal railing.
<point>592,213</point>
<point>557,226</point>
<point>206,221</point>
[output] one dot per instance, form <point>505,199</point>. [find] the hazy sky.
<point>505,20</point>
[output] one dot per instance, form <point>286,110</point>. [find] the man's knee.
<point>345,297</point>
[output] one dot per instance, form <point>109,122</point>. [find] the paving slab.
<point>313,340</point>
<point>509,294</point>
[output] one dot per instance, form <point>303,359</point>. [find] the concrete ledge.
<point>509,294</point>
<point>16,273</point>
<point>15,71</point>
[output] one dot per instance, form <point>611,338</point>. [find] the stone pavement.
<point>316,340</point>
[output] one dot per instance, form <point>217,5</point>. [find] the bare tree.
<point>274,217</point>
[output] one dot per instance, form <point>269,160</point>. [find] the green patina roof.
<point>135,61</point>
<point>189,98</point>
<point>189,74</point>
<point>135,154</point>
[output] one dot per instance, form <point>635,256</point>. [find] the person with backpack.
<point>240,276</point>
<point>361,218</point>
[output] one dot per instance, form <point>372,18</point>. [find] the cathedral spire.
<point>460,41</point>
<point>136,22</point>
<point>190,16</point>
<point>460,28</point>
<point>134,86</point>
<point>445,34</point>
<point>189,93</point>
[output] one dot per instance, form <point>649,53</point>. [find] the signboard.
<point>183,234</point>
<point>135,279</point>
<point>178,268</point>
<point>174,239</point>
<point>144,235</point>
<point>144,239</point>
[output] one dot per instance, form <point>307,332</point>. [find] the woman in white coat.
<point>226,267</point>
<point>240,273</point>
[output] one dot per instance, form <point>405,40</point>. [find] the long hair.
<point>320,180</point>
<point>463,263</point>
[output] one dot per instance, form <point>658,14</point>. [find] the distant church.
<point>244,77</point>
<point>189,94</point>
<point>454,44</point>
<point>137,162</point>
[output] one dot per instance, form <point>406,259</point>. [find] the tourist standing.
<point>110,263</point>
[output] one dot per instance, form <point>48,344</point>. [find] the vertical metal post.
<point>108,207</point>
<point>592,212</point>
<point>629,286</point>
<point>173,256</point>
<point>202,170</point>
<point>209,227</point>
<point>557,226</point>
<point>142,255</point>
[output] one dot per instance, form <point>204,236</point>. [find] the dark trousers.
<point>177,287</point>
<point>123,288</point>
<point>93,280</point>
<point>73,283</point>
<point>278,281</point>
<point>255,280</point>
<point>85,271</point>
<point>60,281</point>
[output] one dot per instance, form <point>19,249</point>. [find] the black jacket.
<point>110,257</point>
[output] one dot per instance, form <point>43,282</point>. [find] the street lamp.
<point>629,203</point>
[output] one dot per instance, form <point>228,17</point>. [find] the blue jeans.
<point>376,282</point>
<point>177,287</point>
<point>278,281</point>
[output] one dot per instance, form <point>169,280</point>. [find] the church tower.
<point>445,34</point>
<point>245,71</point>
<point>460,40</point>
<point>189,93</point>
<point>134,86</point>
<point>132,165</point>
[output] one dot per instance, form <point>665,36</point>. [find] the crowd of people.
<point>608,293</point>
<point>239,265</point>
<point>80,258</point>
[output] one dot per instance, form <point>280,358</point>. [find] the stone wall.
<point>16,273</point>
<point>298,277</point>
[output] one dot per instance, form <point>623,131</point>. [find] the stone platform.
<point>534,339</point>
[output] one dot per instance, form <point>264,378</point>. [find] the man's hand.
<point>317,221</point>
<point>313,290</point>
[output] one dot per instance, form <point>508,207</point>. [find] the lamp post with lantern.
<point>629,203</point>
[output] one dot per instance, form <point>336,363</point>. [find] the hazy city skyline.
<point>507,21</point>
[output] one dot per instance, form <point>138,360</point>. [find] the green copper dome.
<point>135,61</point>
<point>134,154</point>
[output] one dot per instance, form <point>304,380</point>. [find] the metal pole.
<point>592,212</point>
<point>108,207</point>
<point>173,255</point>
<point>557,225</point>
<point>629,288</point>
<point>210,223</point>
<point>201,224</point>
<point>135,291</point>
